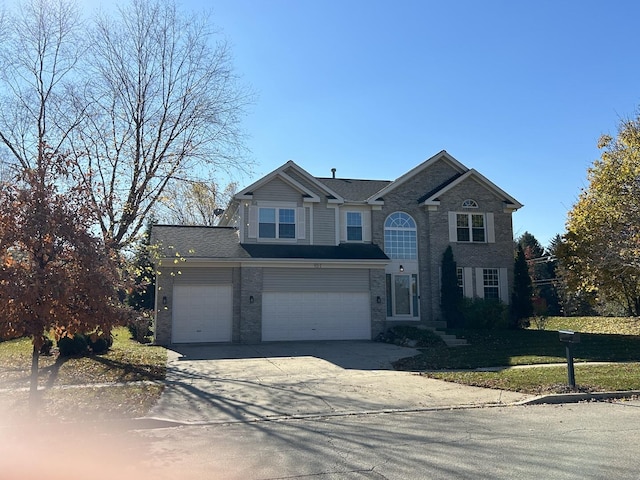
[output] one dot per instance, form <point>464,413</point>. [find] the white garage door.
<point>202,313</point>
<point>316,316</point>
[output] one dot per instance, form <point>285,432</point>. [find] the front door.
<point>404,295</point>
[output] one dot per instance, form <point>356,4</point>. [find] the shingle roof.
<point>439,187</point>
<point>197,241</point>
<point>345,251</point>
<point>354,190</point>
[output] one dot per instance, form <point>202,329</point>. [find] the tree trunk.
<point>33,387</point>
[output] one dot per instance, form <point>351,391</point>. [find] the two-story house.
<point>299,257</point>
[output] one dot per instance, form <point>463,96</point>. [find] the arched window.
<point>400,239</point>
<point>469,203</point>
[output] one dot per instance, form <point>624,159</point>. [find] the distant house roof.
<point>354,190</point>
<point>344,251</point>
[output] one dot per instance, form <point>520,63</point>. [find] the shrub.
<point>70,346</point>
<point>410,336</point>
<point>99,343</point>
<point>478,313</point>
<point>140,326</point>
<point>45,349</point>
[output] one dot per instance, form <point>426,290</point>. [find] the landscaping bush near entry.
<point>478,313</point>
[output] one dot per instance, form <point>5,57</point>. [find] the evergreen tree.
<point>142,296</point>
<point>450,295</point>
<point>521,304</point>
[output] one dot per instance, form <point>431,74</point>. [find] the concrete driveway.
<point>227,383</point>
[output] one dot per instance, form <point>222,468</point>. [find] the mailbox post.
<point>570,338</point>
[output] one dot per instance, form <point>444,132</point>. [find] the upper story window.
<point>470,227</point>
<point>277,223</point>
<point>400,237</point>
<point>354,226</point>
<point>469,203</point>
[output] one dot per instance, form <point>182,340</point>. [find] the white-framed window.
<point>491,283</point>
<point>468,227</point>
<point>469,203</point>
<point>354,226</point>
<point>460,275</point>
<point>400,237</point>
<point>276,222</point>
<point>281,223</point>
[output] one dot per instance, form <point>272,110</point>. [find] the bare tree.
<point>163,102</point>
<point>139,97</point>
<point>39,52</point>
<point>194,203</point>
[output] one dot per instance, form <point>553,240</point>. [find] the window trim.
<point>488,228</point>
<point>412,228</point>
<point>360,226</point>
<point>277,223</point>
<point>490,275</point>
<point>253,223</point>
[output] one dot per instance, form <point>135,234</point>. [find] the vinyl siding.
<point>324,225</point>
<point>277,191</point>
<point>315,280</point>
<point>204,276</point>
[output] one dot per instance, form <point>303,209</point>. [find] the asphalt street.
<point>572,441</point>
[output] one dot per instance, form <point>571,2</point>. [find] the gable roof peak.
<point>281,173</point>
<point>441,155</point>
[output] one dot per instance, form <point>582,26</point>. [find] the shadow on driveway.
<point>359,355</point>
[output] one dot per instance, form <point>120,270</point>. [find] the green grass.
<point>602,340</point>
<point>127,363</point>
<point>541,380</point>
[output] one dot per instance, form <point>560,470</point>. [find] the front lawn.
<point>121,383</point>
<point>602,340</point>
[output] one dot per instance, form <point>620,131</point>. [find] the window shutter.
<point>343,225</point>
<point>301,224</point>
<point>491,234</point>
<point>366,226</point>
<point>479,283</point>
<point>467,273</point>
<point>504,285</point>
<point>453,227</point>
<point>253,222</point>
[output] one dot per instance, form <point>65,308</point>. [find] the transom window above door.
<point>400,238</point>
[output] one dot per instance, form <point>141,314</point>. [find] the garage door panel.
<point>316,316</point>
<point>202,313</point>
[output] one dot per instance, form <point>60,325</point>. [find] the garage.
<point>202,313</point>
<point>311,304</point>
<point>202,306</point>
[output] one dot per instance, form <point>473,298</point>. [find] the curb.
<point>560,398</point>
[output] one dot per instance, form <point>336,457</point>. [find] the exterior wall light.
<point>164,301</point>
<point>378,299</point>
<point>251,299</point>
<point>401,268</point>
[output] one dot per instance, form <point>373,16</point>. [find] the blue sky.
<point>520,91</point>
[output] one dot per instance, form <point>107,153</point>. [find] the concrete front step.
<point>450,340</point>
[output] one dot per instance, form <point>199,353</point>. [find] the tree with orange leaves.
<point>56,274</point>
